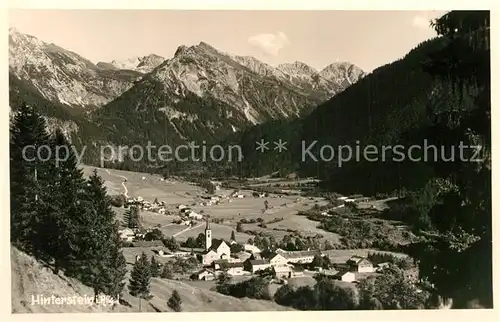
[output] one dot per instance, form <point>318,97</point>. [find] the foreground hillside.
<point>30,277</point>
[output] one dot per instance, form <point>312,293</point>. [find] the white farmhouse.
<point>278,260</point>
<point>361,264</point>
<point>346,276</point>
<point>282,271</point>
<point>251,248</point>
<point>194,215</point>
<point>255,265</point>
<point>299,257</point>
<point>127,234</point>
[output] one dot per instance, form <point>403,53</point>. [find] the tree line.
<point>57,215</point>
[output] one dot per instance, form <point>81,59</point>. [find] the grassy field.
<point>149,188</point>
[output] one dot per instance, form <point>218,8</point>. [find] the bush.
<point>325,295</point>
<point>155,234</point>
<point>117,200</point>
<point>236,248</point>
<point>255,288</point>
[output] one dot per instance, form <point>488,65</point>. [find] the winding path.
<point>123,182</point>
<point>187,229</point>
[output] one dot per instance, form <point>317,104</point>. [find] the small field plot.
<point>305,226</point>
<point>218,232</point>
<point>146,185</point>
<point>112,182</point>
<point>339,256</point>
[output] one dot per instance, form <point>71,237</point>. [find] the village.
<point>216,258</point>
<point>214,255</point>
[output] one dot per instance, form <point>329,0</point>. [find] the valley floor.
<point>173,193</point>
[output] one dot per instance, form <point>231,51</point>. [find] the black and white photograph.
<point>167,161</point>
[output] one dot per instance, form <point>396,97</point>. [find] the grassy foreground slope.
<point>29,277</point>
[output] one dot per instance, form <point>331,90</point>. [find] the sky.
<point>368,39</point>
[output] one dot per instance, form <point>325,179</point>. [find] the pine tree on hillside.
<point>105,265</point>
<point>114,276</point>
<point>28,176</point>
<point>233,236</point>
<point>155,267</point>
<point>140,279</point>
<point>132,218</point>
<point>70,210</point>
<point>175,301</point>
<point>460,244</point>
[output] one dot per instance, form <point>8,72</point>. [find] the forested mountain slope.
<point>387,107</point>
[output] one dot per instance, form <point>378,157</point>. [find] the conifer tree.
<point>155,267</point>
<point>114,276</point>
<point>233,236</point>
<point>132,219</point>
<point>175,301</point>
<point>140,279</point>
<point>105,266</point>
<point>71,212</point>
<point>28,175</point>
<point>461,243</point>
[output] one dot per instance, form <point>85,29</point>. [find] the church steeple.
<point>208,236</point>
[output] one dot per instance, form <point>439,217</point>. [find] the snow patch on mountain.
<point>143,64</point>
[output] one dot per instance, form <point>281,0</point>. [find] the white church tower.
<point>208,236</point>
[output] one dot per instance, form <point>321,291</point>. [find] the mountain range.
<point>199,93</point>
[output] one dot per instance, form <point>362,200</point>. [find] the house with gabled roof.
<point>278,260</point>
<point>209,257</point>
<point>345,276</point>
<point>360,264</point>
<point>255,265</point>
<point>236,269</point>
<point>282,271</point>
<point>221,248</point>
<point>127,234</point>
<point>251,249</point>
<point>299,257</point>
<point>204,274</point>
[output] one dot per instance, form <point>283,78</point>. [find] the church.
<point>214,249</point>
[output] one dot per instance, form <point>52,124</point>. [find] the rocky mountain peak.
<point>180,50</point>
<point>297,68</point>
<point>344,71</point>
<point>239,90</point>
<point>61,75</point>
<point>150,62</point>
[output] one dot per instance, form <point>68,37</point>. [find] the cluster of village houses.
<point>217,257</point>
<point>155,206</point>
